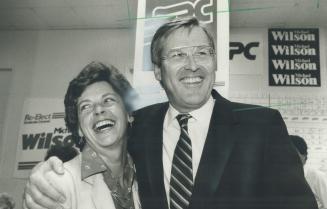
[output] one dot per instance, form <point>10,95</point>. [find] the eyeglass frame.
<point>163,58</point>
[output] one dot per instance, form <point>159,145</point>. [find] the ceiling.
<point>105,14</point>
<point>66,14</point>
<point>278,13</point>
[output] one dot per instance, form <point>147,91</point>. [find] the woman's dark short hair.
<point>92,73</point>
<point>165,30</point>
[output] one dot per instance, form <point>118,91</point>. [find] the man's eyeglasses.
<point>200,54</point>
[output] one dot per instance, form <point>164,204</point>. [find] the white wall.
<point>43,62</point>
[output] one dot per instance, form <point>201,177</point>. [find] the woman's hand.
<point>39,192</point>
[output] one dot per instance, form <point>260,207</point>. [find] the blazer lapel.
<point>216,152</point>
<point>154,157</point>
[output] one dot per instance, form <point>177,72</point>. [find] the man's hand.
<point>39,192</point>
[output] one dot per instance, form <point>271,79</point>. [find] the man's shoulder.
<point>248,108</point>
<point>151,110</point>
<point>251,112</point>
<point>242,109</point>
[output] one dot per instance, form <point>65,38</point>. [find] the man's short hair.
<point>300,144</point>
<point>165,30</point>
<point>92,73</point>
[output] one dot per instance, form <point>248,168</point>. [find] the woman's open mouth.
<point>103,125</point>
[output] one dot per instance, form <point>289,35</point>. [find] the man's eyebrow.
<point>181,47</point>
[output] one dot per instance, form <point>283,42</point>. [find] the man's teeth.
<point>101,125</point>
<point>188,80</point>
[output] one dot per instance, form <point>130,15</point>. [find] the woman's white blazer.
<point>90,193</point>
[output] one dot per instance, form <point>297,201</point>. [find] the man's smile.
<point>191,79</point>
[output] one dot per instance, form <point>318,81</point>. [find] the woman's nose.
<point>98,109</point>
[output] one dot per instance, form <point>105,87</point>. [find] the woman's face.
<point>102,116</point>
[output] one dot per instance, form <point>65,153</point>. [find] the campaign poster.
<point>42,126</point>
<point>151,15</point>
<point>294,58</point>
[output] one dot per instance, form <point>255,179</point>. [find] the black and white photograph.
<point>152,104</point>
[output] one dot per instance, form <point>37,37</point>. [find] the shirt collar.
<point>200,114</point>
<point>92,164</point>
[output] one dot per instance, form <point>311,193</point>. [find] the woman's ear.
<point>130,118</point>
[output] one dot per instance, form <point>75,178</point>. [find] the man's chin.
<point>193,102</point>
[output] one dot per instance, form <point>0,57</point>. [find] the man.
<point>316,179</point>
<point>201,150</point>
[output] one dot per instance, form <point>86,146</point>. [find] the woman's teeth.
<point>104,124</point>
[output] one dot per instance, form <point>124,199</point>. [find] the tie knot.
<point>182,119</point>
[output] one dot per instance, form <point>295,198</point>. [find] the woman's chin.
<point>109,142</point>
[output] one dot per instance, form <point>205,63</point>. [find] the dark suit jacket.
<point>247,160</point>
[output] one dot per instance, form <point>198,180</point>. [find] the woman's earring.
<point>81,141</point>
<point>130,121</point>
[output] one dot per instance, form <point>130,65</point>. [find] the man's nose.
<point>191,63</point>
<point>98,109</point>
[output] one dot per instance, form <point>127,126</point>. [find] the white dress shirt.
<point>198,127</point>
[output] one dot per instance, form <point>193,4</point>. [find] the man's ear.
<point>157,72</point>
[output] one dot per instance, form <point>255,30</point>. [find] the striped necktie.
<point>181,180</point>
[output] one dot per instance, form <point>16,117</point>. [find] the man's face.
<point>188,81</point>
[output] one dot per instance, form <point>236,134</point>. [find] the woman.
<point>97,106</point>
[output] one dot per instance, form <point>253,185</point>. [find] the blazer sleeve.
<point>65,184</point>
<point>284,181</point>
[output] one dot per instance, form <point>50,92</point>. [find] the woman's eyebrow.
<point>109,94</point>
<point>82,101</point>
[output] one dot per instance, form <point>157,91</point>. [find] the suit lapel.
<point>216,152</point>
<point>154,157</point>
